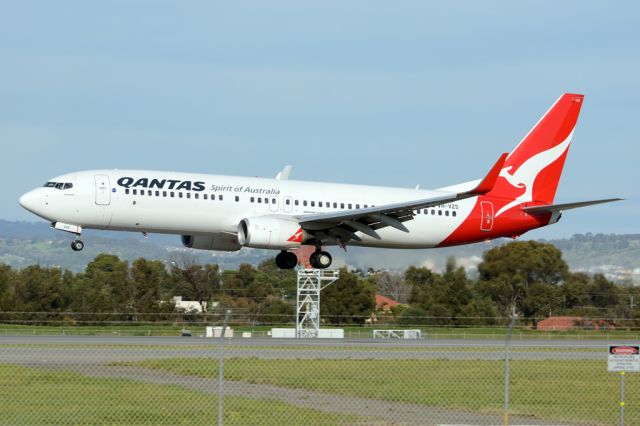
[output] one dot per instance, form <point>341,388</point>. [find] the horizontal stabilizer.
<point>551,208</point>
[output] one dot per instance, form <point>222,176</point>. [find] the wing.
<point>341,226</point>
<point>552,208</point>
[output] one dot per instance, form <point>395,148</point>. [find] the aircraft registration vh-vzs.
<point>213,212</point>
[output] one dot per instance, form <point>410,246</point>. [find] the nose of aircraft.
<point>30,201</point>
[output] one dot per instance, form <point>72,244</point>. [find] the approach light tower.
<point>310,283</point>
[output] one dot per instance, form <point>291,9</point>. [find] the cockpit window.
<point>58,185</point>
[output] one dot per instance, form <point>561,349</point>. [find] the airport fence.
<point>262,381</point>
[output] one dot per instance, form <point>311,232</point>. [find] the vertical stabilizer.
<point>532,170</point>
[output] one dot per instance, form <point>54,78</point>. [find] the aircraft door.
<point>273,203</point>
<point>486,216</point>
<point>103,191</point>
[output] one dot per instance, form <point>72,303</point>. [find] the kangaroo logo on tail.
<point>525,176</point>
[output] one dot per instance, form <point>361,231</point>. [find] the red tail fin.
<point>532,170</point>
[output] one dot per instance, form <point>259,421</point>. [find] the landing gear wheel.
<point>286,260</point>
<point>77,245</point>
<point>320,260</point>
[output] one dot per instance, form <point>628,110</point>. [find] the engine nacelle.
<point>270,233</point>
<point>220,242</point>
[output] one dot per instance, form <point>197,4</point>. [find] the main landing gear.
<point>286,260</point>
<point>320,259</point>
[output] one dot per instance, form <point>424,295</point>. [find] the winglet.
<point>284,174</point>
<point>490,179</point>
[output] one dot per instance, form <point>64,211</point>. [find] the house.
<point>191,306</point>
<point>385,304</point>
<point>559,323</point>
<point>572,323</point>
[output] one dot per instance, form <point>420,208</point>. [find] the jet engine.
<point>219,242</point>
<point>270,233</point>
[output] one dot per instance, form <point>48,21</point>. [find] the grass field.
<point>32,396</point>
<point>577,391</point>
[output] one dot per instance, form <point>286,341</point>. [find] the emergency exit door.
<point>103,190</point>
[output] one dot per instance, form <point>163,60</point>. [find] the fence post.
<point>507,367</point>
<point>622,398</point>
<point>221,368</point>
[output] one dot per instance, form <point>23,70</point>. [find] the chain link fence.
<point>178,380</point>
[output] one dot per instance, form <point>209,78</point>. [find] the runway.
<point>57,350</point>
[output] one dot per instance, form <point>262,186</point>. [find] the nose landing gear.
<point>77,245</point>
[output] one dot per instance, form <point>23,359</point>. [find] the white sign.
<point>624,358</point>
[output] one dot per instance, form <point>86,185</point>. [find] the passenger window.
<point>197,196</point>
<point>287,201</point>
<point>172,194</point>
<point>319,203</point>
<point>313,204</point>
<point>433,212</point>
<point>366,206</point>
<point>349,206</point>
<point>335,205</point>
<point>446,212</point>
<point>126,191</point>
<point>237,198</point>
<point>220,197</point>
<point>179,194</point>
<point>260,200</point>
<point>164,193</point>
<point>157,193</point>
<point>205,196</point>
<point>342,205</point>
<point>296,202</point>
<point>439,212</point>
<point>453,213</point>
<point>252,199</point>
<point>188,195</point>
<point>135,192</point>
<point>304,203</point>
<point>357,206</point>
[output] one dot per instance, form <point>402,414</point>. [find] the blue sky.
<point>389,93</point>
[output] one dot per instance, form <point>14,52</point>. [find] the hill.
<point>26,243</point>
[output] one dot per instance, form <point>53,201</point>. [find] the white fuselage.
<point>161,202</point>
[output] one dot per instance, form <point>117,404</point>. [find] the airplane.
<point>226,213</point>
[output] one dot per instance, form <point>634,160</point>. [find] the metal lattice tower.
<point>310,283</point>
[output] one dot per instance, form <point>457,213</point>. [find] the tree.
<point>348,300</point>
<point>508,272</point>
<point>392,285</point>
<point>196,282</point>
<point>7,288</point>
<point>146,288</point>
<point>103,286</point>
<point>604,293</point>
<point>413,315</point>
